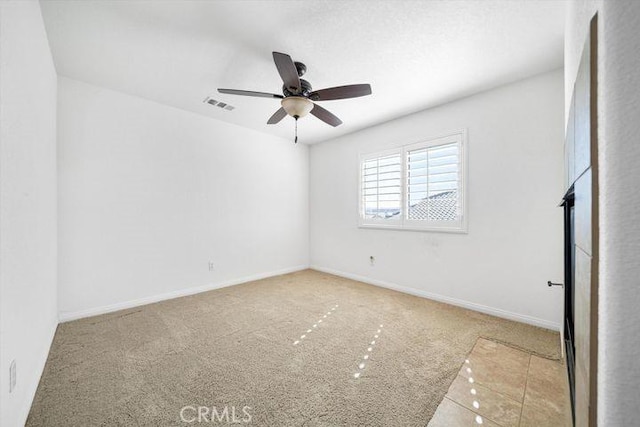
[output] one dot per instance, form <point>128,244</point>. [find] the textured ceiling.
<point>415,54</point>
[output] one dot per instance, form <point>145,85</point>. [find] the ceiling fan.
<point>298,98</point>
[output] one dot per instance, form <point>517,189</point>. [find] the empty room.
<point>319,213</point>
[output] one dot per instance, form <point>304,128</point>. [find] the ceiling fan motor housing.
<point>305,89</point>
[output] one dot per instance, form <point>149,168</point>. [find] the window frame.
<point>403,223</point>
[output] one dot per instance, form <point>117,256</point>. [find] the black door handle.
<point>549,283</point>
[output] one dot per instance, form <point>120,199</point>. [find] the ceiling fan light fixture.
<point>297,106</point>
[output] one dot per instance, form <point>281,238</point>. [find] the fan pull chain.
<point>295,141</point>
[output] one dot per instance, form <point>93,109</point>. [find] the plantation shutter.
<point>382,187</point>
<point>433,183</point>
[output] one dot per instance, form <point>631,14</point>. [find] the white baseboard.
<point>33,388</point>
<point>74,315</point>
<point>441,298</point>
<point>68,316</point>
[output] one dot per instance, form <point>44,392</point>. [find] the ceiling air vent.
<point>219,104</point>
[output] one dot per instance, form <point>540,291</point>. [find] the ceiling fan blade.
<point>287,70</point>
<point>341,92</point>
<point>250,93</point>
<point>325,116</point>
<point>277,116</point>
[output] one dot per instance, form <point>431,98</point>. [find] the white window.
<point>417,187</point>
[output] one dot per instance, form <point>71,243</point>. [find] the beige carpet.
<point>234,347</point>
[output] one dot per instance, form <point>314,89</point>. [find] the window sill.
<point>409,228</point>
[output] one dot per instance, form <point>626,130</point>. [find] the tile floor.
<point>505,387</point>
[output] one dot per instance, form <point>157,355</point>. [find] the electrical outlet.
<point>372,260</point>
<point>211,266</point>
<point>12,376</point>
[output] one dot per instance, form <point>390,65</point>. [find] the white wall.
<point>619,203</point>
<point>515,180</point>
<point>149,194</point>
<point>619,319</point>
<point>28,306</point>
